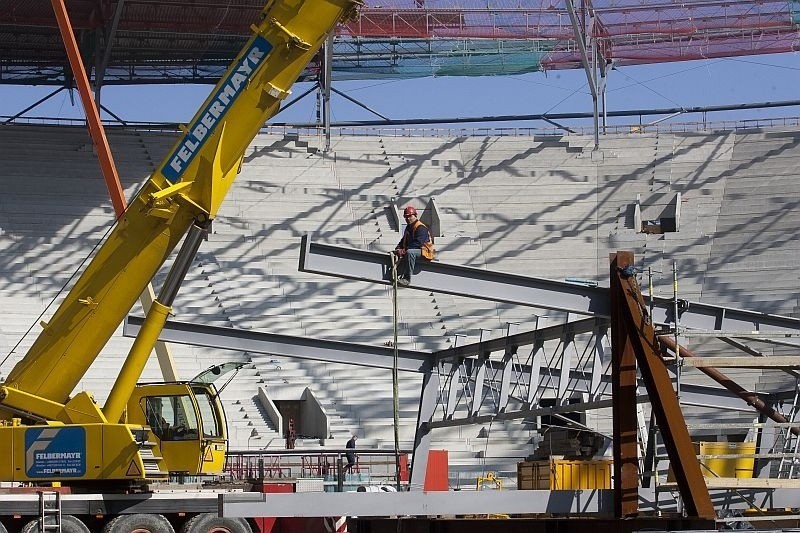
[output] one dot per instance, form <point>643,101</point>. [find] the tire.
<point>139,523</point>
<point>211,523</point>
<point>3,528</point>
<point>69,524</point>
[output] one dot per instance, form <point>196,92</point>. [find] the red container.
<point>404,467</point>
<point>268,524</point>
<point>436,476</point>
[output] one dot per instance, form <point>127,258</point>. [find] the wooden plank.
<point>777,361</point>
<point>742,483</point>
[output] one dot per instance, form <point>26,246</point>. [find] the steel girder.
<point>482,502</point>
<point>452,391</point>
<point>553,349</point>
<point>285,345</point>
<point>548,372</point>
<point>635,341</point>
<point>416,503</point>
<point>623,386</point>
<point>524,375</point>
<point>516,289</point>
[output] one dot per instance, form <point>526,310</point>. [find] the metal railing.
<point>412,131</point>
<point>372,467</point>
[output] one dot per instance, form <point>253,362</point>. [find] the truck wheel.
<point>211,523</point>
<point>139,523</point>
<point>69,524</point>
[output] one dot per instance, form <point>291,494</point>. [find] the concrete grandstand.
<point>545,206</point>
<point>717,203</point>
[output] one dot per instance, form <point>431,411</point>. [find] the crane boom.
<point>187,187</point>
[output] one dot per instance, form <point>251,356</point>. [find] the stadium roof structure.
<point>192,41</point>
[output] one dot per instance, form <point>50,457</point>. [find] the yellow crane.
<point>146,432</point>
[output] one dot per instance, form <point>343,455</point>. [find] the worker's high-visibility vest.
<point>428,252</point>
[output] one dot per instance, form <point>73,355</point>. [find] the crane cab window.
<point>172,417</point>
<point>208,414</point>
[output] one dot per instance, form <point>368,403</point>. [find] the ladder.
<point>790,462</point>
<point>49,511</point>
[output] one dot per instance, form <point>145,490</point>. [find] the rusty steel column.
<point>664,402</point>
<point>623,389</point>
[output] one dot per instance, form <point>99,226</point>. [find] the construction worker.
<point>351,455</point>
<point>416,243</point>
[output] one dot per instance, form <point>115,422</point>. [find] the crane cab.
<point>187,422</point>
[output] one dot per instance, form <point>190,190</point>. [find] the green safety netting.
<point>794,9</point>
<point>375,59</point>
<point>405,38</point>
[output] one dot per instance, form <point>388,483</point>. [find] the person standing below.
<point>416,243</point>
<point>351,455</point>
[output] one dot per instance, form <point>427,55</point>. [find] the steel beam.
<point>703,397</point>
<point>535,370</point>
<point>508,369</point>
<point>226,338</point>
<point>102,148</point>
<point>100,69</point>
<point>36,103</point>
<point>636,329</point>
<point>450,279</point>
<point>568,351</point>
<point>661,498</point>
<point>285,345</point>
<point>477,391</point>
<point>598,363</point>
<point>540,293</point>
<point>623,390</point>
<point>527,413</point>
<point>96,130</point>
<point>473,502</point>
<point>590,70</point>
<point>416,503</point>
<point>512,342</point>
<point>453,388</point>
<point>305,504</point>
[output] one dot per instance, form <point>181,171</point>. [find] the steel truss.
<point>496,379</point>
<point>486,383</point>
<point>587,384</point>
<point>477,383</point>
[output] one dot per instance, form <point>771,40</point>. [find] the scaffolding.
<point>172,41</point>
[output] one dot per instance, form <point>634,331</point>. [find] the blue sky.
<point>696,83</point>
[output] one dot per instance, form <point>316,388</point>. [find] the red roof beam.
<point>690,27</point>
<point>380,23</point>
<point>472,23</point>
<point>693,48</point>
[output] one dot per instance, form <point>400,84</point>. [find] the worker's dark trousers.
<point>407,267</point>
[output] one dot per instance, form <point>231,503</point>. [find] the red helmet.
<point>410,210</point>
